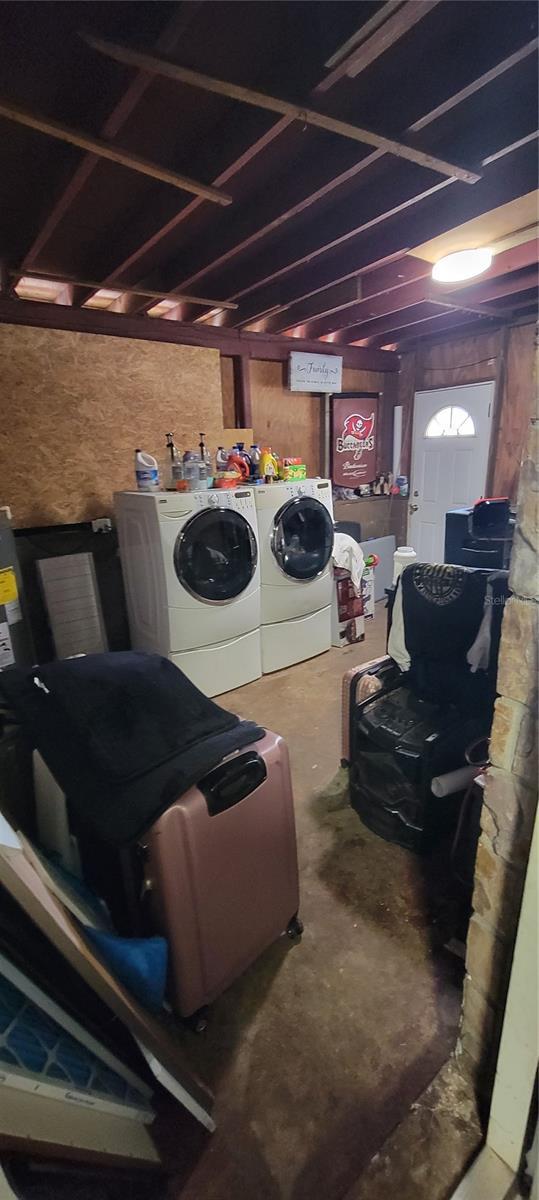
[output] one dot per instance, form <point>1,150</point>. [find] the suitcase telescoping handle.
<point>231,781</point>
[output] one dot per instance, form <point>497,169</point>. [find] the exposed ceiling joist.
<point>430,326</point>
<point>335,299</point>
<point>111,128</point>
<point>306,116</point>
<point>154,295</point>
<point>423,289</point>
<point>482,81</point>
<point>391,325</point>
<point>351,253</point>
<point>363,32</point>
<point>381,39</point>
<point>240,245</point>
<point>104,149</point>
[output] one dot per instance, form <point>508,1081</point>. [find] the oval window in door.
<point>302,540</point>
<point>215,555</point>
<point>450,422</point>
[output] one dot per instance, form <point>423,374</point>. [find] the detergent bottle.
<point>146,472</point>
<point>268,465</point>
<point>236,462</point>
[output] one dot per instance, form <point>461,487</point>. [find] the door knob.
<point>412,508</point>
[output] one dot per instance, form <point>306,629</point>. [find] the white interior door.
<point>450,445</point>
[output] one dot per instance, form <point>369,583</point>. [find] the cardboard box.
<point>347,621</point>
<point>293,471</point>
<point>367,592</point>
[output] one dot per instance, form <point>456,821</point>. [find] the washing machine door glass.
<point>215,555</point>
<point>302,539</point>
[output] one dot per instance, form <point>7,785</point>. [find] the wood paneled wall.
<point>293,421</point>
<point>289,422</point>
<point>76,405</point>
<point>505,355</point>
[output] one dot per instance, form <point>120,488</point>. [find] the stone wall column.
<point>510,797</point>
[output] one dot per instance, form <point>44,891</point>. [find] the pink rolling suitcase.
<point>222,869</point>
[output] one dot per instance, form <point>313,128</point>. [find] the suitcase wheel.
<point>295,927</point>
<point>198,1021</point>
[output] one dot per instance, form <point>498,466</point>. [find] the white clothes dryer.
<point>295,530</point>
<point>190,563</point>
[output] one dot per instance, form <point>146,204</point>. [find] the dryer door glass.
<point>302,540</point>
<point>215,555</point>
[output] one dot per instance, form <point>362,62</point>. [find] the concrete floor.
<point>317,1052</point>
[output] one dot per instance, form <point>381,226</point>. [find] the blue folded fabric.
<point>139,963</point>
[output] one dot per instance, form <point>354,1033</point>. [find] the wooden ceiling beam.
<point>116,120</point>
<point>250,236</point>
<point>399,298</point>
<point>93,286</point>
<point>334,260</point>
<point>110,151</point>
<point>363,32</point>
<point>498,288</point>
<point>227,341</point>
<point>393,28</point>
<point>424,288</point>
<point>388,325</point>
<point>297,112</point>
<point>437,323</point>
<point>402,270</point>
<point>476,85</point>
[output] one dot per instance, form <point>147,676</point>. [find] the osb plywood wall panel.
<point>289,422</point>
<point>227,389</point>
<point>518,399</point>
<point>78,404</point>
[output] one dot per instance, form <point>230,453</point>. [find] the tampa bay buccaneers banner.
<point>354,436</point>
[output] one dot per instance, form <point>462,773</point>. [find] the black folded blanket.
<point>124,735</point>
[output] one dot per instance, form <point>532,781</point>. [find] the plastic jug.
<point>146,472</point>
<point>173,470</point>
<point>268,465</point>
<point>403,556</point>
<point>221,459</point>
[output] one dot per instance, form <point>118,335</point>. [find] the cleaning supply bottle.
<point>190,470</point>
<point>221,459</point>
<point>268,465</point>
<point>146,472</point>
<point>243,454</point>
<point>173,473</point>
<point>236,462</point>
<point>255,461</point>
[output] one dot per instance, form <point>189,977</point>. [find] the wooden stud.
<point>307,116</point>
<point>103,149</point>
<point>242,391</point>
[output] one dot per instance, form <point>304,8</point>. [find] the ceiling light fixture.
<point>465,264</point>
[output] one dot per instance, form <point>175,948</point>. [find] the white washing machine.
<point>295,531</point>
<point>191,568</point>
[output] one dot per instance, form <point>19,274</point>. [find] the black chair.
<point>422,720</point>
